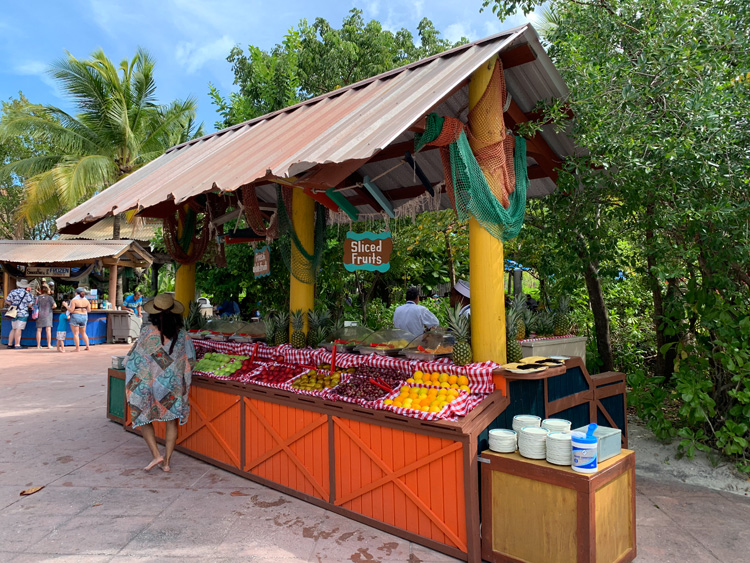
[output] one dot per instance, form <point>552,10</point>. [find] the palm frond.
<point>80,179</point>
<point>41,199</point>
<point>51,126</point>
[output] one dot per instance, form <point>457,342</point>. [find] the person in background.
<point>79,316</point>
<point>412,316</point>
<point>46,304</point>
<point>229,308</point>
<point>62,325</point>
<point>23,300</point>
<point>134,303</point>
<point>461,295</point>
<point>531,303</point>
<point>158,373</point>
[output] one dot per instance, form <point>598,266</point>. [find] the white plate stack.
<point>559,448</point>
<point>532,442</point>
<point>523,420</point>
<point>503,441</point>
<point>556,424</point>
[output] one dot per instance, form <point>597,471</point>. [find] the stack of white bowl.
<point>503,441</point>
<point>522,420</point>
<point>559,448</point>
<point>556,424</point>
<point>532,442</point>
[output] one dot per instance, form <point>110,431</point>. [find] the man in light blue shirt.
<point>412,316</point>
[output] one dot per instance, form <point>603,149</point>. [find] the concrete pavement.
<point>98,505</point>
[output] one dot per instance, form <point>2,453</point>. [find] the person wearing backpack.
<point>19,302</point>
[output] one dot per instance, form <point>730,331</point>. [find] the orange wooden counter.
<point>412,478</point>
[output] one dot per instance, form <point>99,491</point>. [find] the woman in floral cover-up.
<point>158,373</point>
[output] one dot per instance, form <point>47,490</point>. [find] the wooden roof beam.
<point>518,56</point>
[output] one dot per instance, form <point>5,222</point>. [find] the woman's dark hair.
<point>169,324</point>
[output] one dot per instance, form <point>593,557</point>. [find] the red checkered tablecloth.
<point>547,338</point>
<point>343,360</point>
<point>479,374</point>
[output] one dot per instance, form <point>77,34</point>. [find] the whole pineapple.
<point>460,327</point>
<point>519,306</point>
<point>545,323</point>
<point>513,350</point>
<point>562,318</point>
<point>281,335</point>
<point>317,326</point>
<point>270,323</point>
<point>298,338</point>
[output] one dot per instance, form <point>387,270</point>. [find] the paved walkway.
<point>98,505</point>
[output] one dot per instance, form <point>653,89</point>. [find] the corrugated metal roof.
<point>142,229</point>
<point>65,251</point>
<point>348,125</point>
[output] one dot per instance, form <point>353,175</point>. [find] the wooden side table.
<point>536,512</point>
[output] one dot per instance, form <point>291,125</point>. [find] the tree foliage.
<point>316,58</point>
<point>659,92</point>
<point>119,128</point>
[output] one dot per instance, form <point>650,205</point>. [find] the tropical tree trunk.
<point>155,278</point>
<point>116,227</point>
<point>601,316</point>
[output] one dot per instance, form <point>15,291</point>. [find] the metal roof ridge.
<point>387,74</point>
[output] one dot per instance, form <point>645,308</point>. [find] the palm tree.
<point>119,128</point>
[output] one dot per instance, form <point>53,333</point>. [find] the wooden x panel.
<point>408,480</point>
<point>288,446</point>
<point>213,428</point>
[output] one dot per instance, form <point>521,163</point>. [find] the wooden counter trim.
<point>547,373</point>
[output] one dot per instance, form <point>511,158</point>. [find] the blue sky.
<point>190,39</point>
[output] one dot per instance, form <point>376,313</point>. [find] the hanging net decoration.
<point>302,264</point>
<point>254,215</point>
<point>490,182</point>
<point>188,247</point>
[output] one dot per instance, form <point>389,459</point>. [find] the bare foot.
<point>87,348</point>
<point>165,468</point>
<point>154,462</point>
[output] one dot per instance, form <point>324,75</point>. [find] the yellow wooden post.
<point>302,295</point>
<point>184,284</point>
<point>486,260</point>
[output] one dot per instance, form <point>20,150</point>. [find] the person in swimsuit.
<point>79,308</point>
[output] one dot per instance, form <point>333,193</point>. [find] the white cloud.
<point>418,6</point>
<point>493,26</point>
<point>31,68</point>
<point>193,55</point>
<point>372,9</point>
<point>457,30</point>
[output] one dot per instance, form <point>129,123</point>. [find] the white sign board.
<point>36,271</point>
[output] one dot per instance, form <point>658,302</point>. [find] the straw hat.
<point>164,303</point>
<point>23,284</point>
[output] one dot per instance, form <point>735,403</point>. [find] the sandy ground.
<point>660,461</point>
